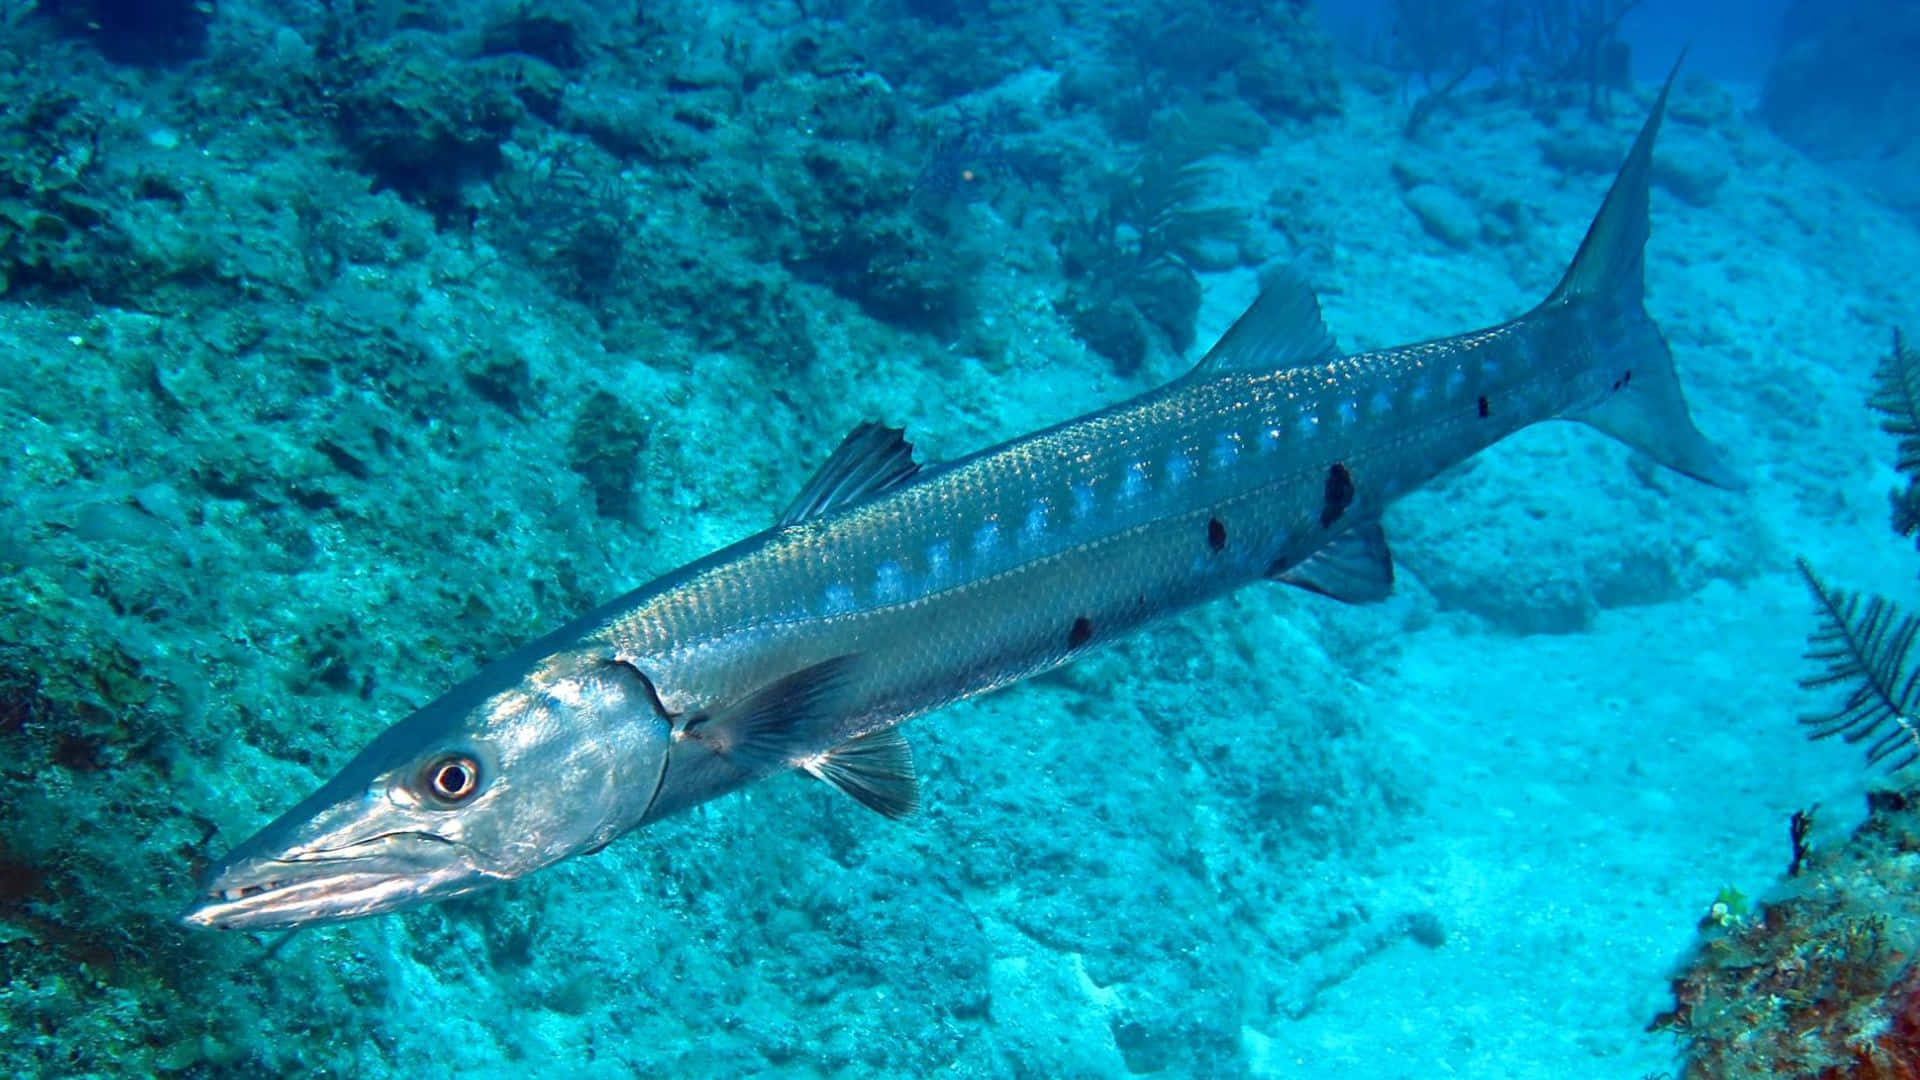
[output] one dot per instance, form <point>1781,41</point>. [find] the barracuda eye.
<point>451,779</point>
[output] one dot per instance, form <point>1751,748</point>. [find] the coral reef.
<point>1818,983</point>
<point>1864,647</point>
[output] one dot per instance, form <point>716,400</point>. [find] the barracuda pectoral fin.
<point>876,770</point>
<point>781,724</point>
<point>1282,329</point>
<point>1356,569</point>
<point>872,458</point>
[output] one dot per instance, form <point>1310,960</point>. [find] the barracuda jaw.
<point>309,888</point>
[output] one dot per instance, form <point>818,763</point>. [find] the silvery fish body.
<point>888,589</point>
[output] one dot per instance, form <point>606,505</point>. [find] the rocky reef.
<point>1818,981</point>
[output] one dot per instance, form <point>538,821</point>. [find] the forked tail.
<point>1646,410</point>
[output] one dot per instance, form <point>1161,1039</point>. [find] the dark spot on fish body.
<point>1483,406</point>
<point>1338,496</point>
<point>1081,633</point>
<point>1621,382</point>
<point>1216,534</point>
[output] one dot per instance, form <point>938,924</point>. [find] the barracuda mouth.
<point>396,870</point>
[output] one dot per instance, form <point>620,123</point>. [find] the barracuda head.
<point>482,786</point>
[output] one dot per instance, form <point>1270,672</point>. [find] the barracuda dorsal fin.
<point>875,770</point>
<point>1356,569</point>
<point>871,459</point>
<point>1282,329</point>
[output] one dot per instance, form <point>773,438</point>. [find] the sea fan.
<point>1865,648</point>
<point>1896,397</point>
<point>1134,259</point>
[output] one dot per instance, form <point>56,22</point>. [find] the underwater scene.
<point>841,538</point>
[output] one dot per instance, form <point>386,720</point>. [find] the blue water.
<point>1729,40</point>
<point>345,346</point>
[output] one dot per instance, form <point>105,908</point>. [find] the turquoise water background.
<point>345,346</point>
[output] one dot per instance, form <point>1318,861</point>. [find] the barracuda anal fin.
<point>875,770</point>
<point>1357,568</point>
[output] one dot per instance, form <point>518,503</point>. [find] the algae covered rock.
<point>1445,214</point>
<point>604,447</point>
<point>1582,150</point>
<point>57,230</point>
<point>854,231</point>
<point>1291,73</point>
<point>635,123</point>
<point>146,32</point>
<point>419,120</point>
<point>1693,166</point>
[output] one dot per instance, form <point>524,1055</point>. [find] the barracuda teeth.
<point>241,892</point>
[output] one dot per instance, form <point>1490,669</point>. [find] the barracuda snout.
<point>477,788</point>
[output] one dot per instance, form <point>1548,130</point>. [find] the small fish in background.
<point>889,588</point>
<point>958,166</point>
<point>969,159</point>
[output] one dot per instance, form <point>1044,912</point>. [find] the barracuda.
<point>888,589</point>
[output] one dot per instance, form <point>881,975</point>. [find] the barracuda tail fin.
<point>1644,406</point>
<point>1647,411</point>
<point>1610,264</point>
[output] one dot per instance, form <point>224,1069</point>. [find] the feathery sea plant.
<point>1864,644</point>
<point>1134,257</point>
<point>563,211</point>
<point>1896,397</point>
<point>1164,199</point>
